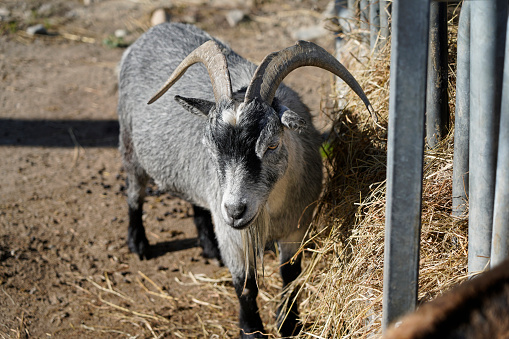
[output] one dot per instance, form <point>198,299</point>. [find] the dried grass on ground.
<point>341,288</point>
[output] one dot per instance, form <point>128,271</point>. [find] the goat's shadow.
<point>59,133</point>
<point>161,248</point>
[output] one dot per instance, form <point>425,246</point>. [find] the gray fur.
<point>186,155</point>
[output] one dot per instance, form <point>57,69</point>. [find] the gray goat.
<point>247,158</point>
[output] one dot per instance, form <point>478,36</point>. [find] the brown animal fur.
<point>478,308</point>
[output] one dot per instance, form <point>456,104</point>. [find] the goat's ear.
<point>195,106</point>
<point>290,119</point>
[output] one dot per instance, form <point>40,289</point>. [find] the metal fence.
<point>418,112</point>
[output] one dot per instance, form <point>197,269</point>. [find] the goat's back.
<point>166,139</point>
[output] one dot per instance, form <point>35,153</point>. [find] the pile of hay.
<point>341,287</point>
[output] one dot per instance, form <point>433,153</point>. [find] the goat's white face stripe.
<point>232,117</point>
<point>237,192</point>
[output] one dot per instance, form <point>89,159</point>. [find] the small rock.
<point>4,14</point>
<point>159,16</point>
<point>37,29</point>
<point>45,10</point>
<point>332,7</point>
<point>234,17</point>
<point>190,19</point>
<point>120,33</point>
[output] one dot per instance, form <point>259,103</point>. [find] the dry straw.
<point>341,287</point>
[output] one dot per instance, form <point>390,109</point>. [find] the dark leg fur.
<point>136,238</point>
<point>206,235</point>
<point>136,183</point>
<point>251,325</point>
<point>288,321</point>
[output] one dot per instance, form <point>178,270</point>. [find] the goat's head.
<point>249,140</point>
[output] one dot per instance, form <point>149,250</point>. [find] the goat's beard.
<point>254,239</point>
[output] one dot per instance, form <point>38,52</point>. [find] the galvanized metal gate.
<point>418,103</point>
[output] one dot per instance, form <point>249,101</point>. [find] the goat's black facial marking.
<point>234,141</point>
<point>246,143</point>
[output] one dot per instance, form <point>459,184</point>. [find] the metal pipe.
<point>462,120</point>
<point>384,22</point>
<point>364,19</point>
<point>487,34</point>
<point>353,9</point>
<point>437,105</point>
<point>374,23</point>
<point>500,239</point>
<point>353,6</point>
<point>345,11</point>
<point>407,104</point>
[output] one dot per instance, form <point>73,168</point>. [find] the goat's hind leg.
<point>136,238</point>
<point>206,235</point>
<point>136,184</point>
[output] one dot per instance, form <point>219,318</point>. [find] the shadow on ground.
<point>59,133</point>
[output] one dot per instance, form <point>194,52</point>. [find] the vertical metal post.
<point>462,120</point>
<point>384,22</point>
<point>364,19</point>
<point>437,105</point>
<point>407,104</point>
<point>374,23</point>
<point>353,9</point>
<point>487,34</point>
<point>353,5</point>
<point>500,240</point>
<point>346,12</point>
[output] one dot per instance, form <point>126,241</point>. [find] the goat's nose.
<point>235,210</point>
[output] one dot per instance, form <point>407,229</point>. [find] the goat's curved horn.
<point>276,66</point>
<point>211,56</point>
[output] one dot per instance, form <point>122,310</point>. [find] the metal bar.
<point>500,239</point>
<point>487,34</point>
<point>462,120</point>
<point>353,6</point>
<point>407,103</point>
<point>353,9</point>
<point>437,105</point>
<point>364,19</point>
<point>384,22</point>
<point>374,23</point>
<point>345,12</point>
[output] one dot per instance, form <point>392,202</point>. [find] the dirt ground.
<point>65,270</point>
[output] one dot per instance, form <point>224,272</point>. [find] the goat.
<point>247,158</point>
<point>478,308</point>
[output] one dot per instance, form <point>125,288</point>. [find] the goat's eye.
<point>273,146</point>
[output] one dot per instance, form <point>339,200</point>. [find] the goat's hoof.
<point>138,244</point>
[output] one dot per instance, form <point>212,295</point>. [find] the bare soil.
<point>65,270</point>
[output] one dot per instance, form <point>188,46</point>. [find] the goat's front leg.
<point>250,323</point>
<point>230,245</point>
<point>288,313</point>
